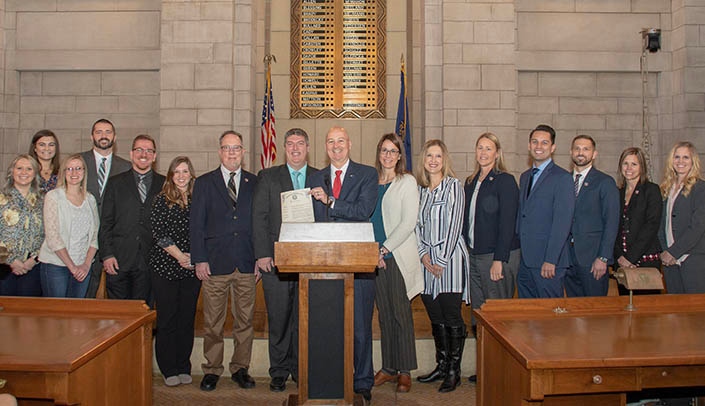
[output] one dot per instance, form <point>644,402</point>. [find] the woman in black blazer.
<point>682,231</point>
<point>491,200</point>
<point>637,240</point>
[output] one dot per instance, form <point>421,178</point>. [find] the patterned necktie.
<point>101,175</point>
<point>297,180</point>
<point>337,184</point>
<point>576,184</point>
<point>232,190</point>
<point>142,188</point>
<point>531,180</point>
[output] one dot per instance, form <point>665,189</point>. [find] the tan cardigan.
<point>400,207</point>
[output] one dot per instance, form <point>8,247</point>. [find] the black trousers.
<point>445,309</point>
<point>131,283</point>
<point>281,295</point>
<point>176,311</point>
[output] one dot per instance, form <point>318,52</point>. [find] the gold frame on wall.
<point>337,98</point>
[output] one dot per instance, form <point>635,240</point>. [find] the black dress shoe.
<point>366,394</point>
<point>242,378</point>
<point>278,384</point>
<point>209,381</point>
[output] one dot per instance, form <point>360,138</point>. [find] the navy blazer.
<point>687,222</point>
<point>596,218</point>
<point>220,233</point>
<point>118,166</point>
<point>545,217</point>
<point>125,223</point>
<point>358,196</point>
<point>640,222</point>
<point>266,209</point>
<point>495,215</point>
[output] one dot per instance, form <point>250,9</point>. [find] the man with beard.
<point>595,223</point>
<point>101,164</point>
<point>125,236</point>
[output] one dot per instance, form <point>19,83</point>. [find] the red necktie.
<point>337,184</point>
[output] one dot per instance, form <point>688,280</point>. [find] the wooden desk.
<point>70,351</point>
<point>592,354</point>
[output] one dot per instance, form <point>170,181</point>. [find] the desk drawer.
<point>672,376</point>
<point>593,380</point>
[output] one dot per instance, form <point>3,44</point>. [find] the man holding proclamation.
<point>280,289</point>
<point>346,191</point>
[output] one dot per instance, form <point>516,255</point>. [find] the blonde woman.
<point>682,228</point>
<point>444,257</point>
<point>21,230</point>
<point>71,227</point>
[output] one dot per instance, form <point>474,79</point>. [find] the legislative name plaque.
<point>337,54</point>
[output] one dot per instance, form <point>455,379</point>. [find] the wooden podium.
<point>297,252</point>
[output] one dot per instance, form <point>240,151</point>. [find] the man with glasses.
<point>101,164</point>
<point>125,236</point>
<point>221,249</point>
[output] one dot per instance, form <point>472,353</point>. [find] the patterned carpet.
<point>228,393</point>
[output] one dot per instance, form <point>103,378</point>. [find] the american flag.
<point>268,133</point>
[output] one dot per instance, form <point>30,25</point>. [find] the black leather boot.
<point>456,343</point>
<point>440,337</point>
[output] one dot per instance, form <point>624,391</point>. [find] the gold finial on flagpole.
<point>270,58</point>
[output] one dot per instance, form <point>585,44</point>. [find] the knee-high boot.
<point>456,343</point>
<point>440,337</point>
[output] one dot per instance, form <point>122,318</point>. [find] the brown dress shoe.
<point>404,383</point>
<point>382,377</point>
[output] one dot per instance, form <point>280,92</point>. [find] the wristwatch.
<point>603,259</point>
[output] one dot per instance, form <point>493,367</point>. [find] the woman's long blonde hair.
<point>669,173</point>
<point>447,169</point>
<point>499,164</point>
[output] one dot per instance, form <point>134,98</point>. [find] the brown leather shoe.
<point>404,383</point>
<point>382,377</point>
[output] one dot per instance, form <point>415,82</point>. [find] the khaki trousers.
<point>241,288</point>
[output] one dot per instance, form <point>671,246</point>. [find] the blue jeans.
<point>57,281</point>
<point>23,285</point>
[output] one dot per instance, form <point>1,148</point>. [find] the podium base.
<point>293,400</point>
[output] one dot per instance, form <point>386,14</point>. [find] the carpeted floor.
<point>228,393</point>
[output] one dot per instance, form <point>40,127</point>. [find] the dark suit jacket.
<point>118,165</point>
<point>687,221</point>
<point>545,217</point>
<point>125,225</point>
<point>266,208</point>
<point>221,234</point>
<point>596,218</point>
<point>495,215</point>
<point>640,222</point>
<point>358,196</point>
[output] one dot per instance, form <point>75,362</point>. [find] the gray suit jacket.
<point>119,165</point>
<point>687,222</point>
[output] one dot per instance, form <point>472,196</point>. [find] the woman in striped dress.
<point>444,258</point>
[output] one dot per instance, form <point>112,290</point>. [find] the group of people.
<point>165,239</point>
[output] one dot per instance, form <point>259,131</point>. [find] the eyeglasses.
<point>75,169</point>
<point>147,151</point>
<point>385,151</point>
<point>231,148</point>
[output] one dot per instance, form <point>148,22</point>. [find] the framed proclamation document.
<point>338,58</point>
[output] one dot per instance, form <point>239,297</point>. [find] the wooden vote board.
<point>338,63</point>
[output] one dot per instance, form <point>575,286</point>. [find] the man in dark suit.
<point>125,235</point>
<point>280,289</point>
<point>347,191</point>
<point>221,249</point>
<point>101,165</point>
<point>546,203</point>
<point>595,223</point>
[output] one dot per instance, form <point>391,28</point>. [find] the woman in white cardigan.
<point>71,233</point>
<point>399,276</point>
